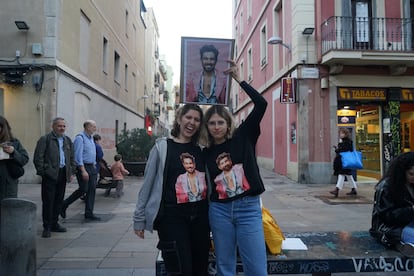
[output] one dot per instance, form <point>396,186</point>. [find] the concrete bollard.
<point>17,237</point>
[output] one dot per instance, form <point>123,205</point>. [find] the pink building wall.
<point>281,121</point>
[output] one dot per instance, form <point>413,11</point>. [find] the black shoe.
<point>58,228</point>
<point>46,233</point>
<point>352,192</point>
<point>107,192</point>
<point>335,192</point>
<point>63,211</point>
<point>92,217</point>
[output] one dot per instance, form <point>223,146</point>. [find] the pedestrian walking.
<point>85,159</point>
<point>118,172</point>
<point>345,144</point>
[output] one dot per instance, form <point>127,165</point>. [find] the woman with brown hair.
<point>345,144</point>
<point>13,154</point>
<point>181,220</point>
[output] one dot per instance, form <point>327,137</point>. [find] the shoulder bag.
<point>272,232</point>
<point>14,169</point>
<point>351,159</point>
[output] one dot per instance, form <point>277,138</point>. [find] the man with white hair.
<point>85,159</point>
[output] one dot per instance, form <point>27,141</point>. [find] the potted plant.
<point>134,145</point>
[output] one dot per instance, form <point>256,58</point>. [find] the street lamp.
<point>308,31</point>
<point>145,97</point>
<point>274,40</point>
<point>22,25</point>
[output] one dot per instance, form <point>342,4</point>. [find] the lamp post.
<point>274,40</point>
<point>307,32</point>
<point>145,97</point>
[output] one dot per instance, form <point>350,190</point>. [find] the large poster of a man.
<point>203,61</point>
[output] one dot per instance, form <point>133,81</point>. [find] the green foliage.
<point>135,144</point>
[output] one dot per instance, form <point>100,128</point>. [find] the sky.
<point>196,18</point>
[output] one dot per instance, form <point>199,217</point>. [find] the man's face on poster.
<point>208,61</point>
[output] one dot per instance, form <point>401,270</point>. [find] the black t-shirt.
<point>232,165</point>
<point>184,178</point>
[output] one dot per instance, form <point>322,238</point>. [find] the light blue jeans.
<point>408,233</point>
<point>238,223</point>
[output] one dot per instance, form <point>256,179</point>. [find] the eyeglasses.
<point>216,123</point>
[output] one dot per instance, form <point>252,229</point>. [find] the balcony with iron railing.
<point>368,40</point>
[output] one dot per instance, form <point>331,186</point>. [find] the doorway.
<point>362,15</point>
<point>367,140</point>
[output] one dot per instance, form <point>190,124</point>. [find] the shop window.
<point>407,129</point>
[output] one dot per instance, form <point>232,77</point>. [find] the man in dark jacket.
<point>55,163</point>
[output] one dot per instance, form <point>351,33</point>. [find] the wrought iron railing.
<point>367,33</point>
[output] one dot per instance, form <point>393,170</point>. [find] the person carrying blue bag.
<point>344,145</point>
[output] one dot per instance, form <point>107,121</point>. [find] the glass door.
<point>368,140</point>
<point>361,10</point>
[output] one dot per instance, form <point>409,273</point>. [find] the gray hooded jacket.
<point>149,197</point>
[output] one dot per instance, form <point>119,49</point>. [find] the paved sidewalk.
<point>111,248</point>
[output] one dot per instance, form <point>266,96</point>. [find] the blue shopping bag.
<point>351,159</point>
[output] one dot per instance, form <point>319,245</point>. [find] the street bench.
<point>327,253</point>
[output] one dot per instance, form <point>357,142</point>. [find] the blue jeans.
<point>408,233</point>
<point>238,223</point>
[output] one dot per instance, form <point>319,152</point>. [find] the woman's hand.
<point>233,70</point>
<point>8,148</point>
<point>139,233</point>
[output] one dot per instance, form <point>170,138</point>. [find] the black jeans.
<point>53,193</point>
<point>184,238</point>
<point>85,187</point>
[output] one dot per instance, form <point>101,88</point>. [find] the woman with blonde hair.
<point>235,214</point>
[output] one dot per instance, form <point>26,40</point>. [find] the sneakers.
<point>407,249</point>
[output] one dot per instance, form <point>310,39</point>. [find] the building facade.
<point>78,60</point>
<point>322,65</point>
